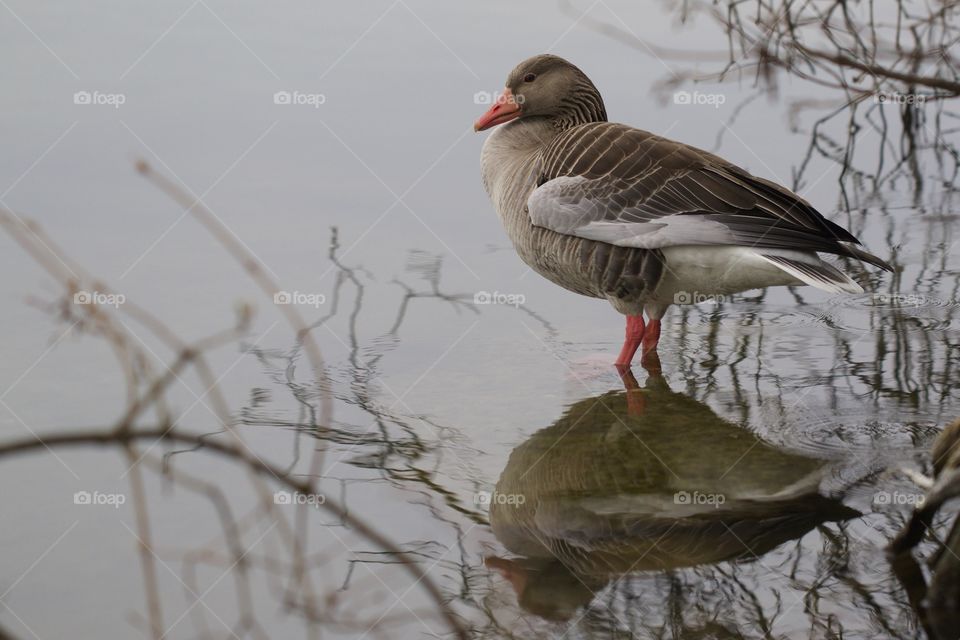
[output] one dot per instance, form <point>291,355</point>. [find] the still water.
<point>747,489</point>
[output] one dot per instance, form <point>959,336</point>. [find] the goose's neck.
<point>580,106</point>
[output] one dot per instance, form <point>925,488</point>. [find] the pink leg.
<point>632,341</point>
<point>650,359</point>
<point>652,336</point>
<point>636,400</point>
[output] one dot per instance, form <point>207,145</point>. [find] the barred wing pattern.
<point>630,188</point>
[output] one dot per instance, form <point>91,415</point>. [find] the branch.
<point>162,433</point>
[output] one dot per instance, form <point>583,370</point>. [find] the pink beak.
<point>503,110</point>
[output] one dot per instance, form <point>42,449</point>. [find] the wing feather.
<point>631,188</point>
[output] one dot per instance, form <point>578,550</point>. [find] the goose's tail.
<point>812,270</point>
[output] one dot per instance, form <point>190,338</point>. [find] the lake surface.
<point>747,490</point>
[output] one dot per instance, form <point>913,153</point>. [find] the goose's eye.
<point>530,77</point>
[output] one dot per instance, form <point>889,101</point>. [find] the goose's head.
<point>549,87</point>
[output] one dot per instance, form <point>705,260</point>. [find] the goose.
<point>614,212</point>
<point>605,491</point>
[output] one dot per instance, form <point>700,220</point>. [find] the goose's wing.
<point>630,188</point>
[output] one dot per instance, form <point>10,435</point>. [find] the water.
<point>795,406</point>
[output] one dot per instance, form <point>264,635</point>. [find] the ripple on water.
<point>753,317</point>
<point>916,311</point>
<point>848,312</point>
<point>854,432</point>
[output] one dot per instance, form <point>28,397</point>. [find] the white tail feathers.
<point>815,272</point>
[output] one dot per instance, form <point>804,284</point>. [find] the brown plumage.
<point>595,495</point>
<point>614,212</point>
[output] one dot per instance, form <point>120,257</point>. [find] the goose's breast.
<point>511,165</point>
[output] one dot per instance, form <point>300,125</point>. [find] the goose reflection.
<point>644,480</point>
